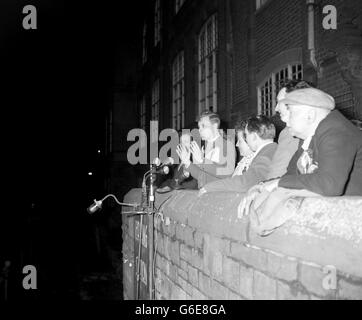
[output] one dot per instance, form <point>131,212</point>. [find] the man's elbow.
<point>332,191</point>
<point>331,188</point>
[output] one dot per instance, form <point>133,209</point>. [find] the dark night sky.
<point>55,88</point>
<point>56,84</point>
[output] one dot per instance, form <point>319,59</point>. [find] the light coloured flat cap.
<point>311,97</point>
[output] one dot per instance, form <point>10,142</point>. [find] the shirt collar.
<point>214,139</point>
<point>261,147</point>
<point>306,142</point>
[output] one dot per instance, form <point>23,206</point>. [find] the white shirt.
<point>243,165</point>
<point>307,140</point>
<point>212,153</point>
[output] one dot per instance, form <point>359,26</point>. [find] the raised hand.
<point>184,153</point>
<point>197,154</point>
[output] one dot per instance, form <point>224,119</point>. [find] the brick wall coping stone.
<point>325,231</point>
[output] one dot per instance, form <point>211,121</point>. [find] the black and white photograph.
<point>203,151</point>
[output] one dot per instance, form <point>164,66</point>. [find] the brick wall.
<point>239,31</point>
<point>205,252</point>
<point>279,26</point>
<point>334,47</point>
<point>249,40</point>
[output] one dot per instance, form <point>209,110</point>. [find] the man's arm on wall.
<point>256,173</point>
<point>206,173</point>
<point>213,171</point>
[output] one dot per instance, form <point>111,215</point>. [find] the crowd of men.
<point>318,153</point>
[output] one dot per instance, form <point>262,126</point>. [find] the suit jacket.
<point>257,172</point>
<point>214,170</point>
<point>287,146</point>
<point>336,148</point>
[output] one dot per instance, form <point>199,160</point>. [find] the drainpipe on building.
<point>311,38</point>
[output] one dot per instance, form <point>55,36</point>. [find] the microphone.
<point>163,168</point>
<point>168,161</point>
<point>185,174</point>
<point>156,161</point>
<point>95,206</point>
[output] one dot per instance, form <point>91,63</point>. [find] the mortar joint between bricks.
<point>349,278</point>
<point>248,245</point>
<point>280,255</point>
<point>311,264</point>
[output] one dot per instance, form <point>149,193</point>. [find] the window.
<point>260,3</point>
<point>178,5</point>
<point>157,22</point>
<point>178,94</point>
<point>207,66</point>
<point>156,100</point>
<point>269,88</point>
<point>143,113</point>
<point>144,44</point>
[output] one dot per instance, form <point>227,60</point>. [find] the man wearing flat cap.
<point>329,162</point>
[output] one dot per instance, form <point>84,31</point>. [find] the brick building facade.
<point>256,42</point>
<point>230,56</point>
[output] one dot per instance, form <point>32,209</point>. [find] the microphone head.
<point>165,170</point>
<point>156,161</point>
<point>94,206</point>
<point>186,174</point>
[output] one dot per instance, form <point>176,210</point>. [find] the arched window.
<point>269,88</point>
<point>178,92</point>
<point>207,65</point>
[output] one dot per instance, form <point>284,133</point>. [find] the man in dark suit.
<point>259,135</point>
<point>329,162</point>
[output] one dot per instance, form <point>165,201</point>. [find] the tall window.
<point>178,5</point>
<point>144,44</point>
<point>260,3</point>
<point>207,66</point>
<point>156,100</point>
<point>143,113</point>
<point>269,88</point>
<point>157,22</point>
<point>178,93</point>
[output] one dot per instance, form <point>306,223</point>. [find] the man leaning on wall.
<point>329,162</point>
<point>259,135</point>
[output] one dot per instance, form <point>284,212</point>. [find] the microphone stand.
<point>147,207</point>
<point>136,211</point>
<point>149,203</point>
<point>151,230</point>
